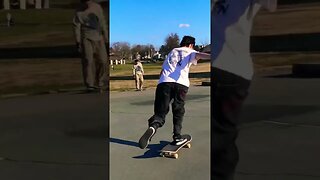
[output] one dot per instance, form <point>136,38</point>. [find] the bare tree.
<point>121,49</point>
<point>171,42</point>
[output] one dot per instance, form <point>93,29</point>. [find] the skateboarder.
<point>232,71</point>
<point>173,85</point>
<point>91,38</point>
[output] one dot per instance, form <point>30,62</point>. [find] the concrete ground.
<point>280,130</point>
<point>63,136</point>
<point>54,137</point>
<point>128,121</point>
<point>277,140</point>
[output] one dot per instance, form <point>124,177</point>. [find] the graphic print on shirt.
<point>93,21</point>
<point>180,58</point>
<point>176,66</point>
<point>138,69</point>
<point>177,58</point>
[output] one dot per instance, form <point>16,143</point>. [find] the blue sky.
<point>150,21</point>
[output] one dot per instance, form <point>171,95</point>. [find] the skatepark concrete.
<point>278,137</point>
<point>54,137</point>
<point>129,115</point>
<point>63,136</point>
<point>280,130</point>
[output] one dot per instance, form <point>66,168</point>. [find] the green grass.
<point>126,69</point>
<point>45,27</point>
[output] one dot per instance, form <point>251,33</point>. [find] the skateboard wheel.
<point>189,146</point>
<point>176,156</point>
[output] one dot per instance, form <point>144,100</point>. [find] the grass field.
<point>288,19</point>
<point>36,76</point>
<point>38,28</point>
<point>53,27</point>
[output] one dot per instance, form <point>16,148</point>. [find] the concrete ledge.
<point>206,83</point>
<point>306,70</point>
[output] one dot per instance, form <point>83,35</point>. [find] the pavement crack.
<point>292,124</point>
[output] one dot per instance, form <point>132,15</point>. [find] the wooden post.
<point>22,4</point>
<point>38,4</point>
<point>6,4</point>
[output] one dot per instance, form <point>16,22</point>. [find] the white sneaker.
<point>146,137</point>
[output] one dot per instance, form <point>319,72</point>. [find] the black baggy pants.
<point>165,93</point>
<point>228,91</point>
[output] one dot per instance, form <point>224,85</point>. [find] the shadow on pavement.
<point>124,142</point>
<point>152,149</point>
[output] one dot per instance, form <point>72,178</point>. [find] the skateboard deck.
<point>172,150</point>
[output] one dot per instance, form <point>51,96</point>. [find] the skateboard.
<point>171,151</point>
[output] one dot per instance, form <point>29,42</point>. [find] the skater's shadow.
<point>153,150</point>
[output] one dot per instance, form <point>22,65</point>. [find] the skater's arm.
<point>270,5</point>
<point>201,55</point>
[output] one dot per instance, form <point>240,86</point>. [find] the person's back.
<point>176,66</point>
<point>91,37</point>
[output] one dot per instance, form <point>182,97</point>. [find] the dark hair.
<point>187,40</point>
<point>83,1</point>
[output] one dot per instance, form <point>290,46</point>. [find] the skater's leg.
<point>161,108</point>
<point>179,95</point>
<point>161,104</point>
<point>228,93</point>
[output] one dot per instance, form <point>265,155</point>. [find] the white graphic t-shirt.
<point>176,67</point>
<point>231,28</point>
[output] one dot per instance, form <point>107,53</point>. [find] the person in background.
<point>91,37</point>
<point>138,73</point>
